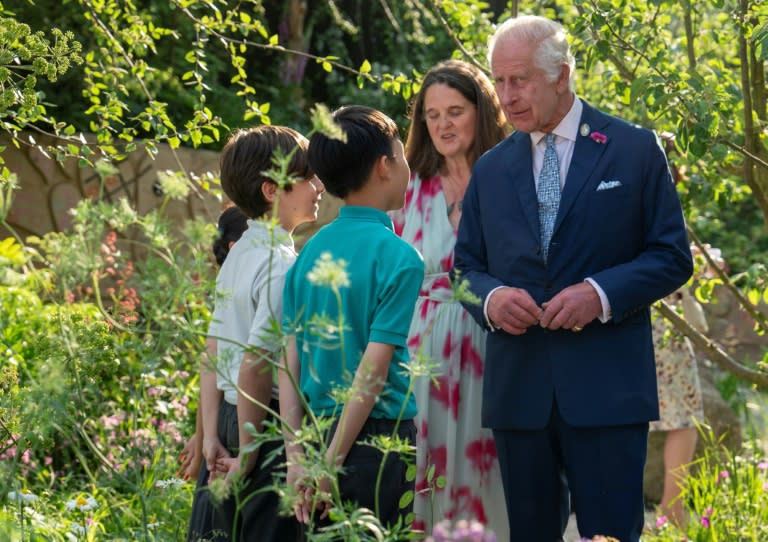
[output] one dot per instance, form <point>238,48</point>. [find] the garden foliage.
<point>99,353</point>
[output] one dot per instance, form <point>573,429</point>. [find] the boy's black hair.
<point>232,224</point>
<point>248,155</point>
<point>344,167</point>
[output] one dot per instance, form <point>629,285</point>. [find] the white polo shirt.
<point>249,289</point>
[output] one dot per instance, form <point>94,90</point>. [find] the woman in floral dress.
<point>454,119</point>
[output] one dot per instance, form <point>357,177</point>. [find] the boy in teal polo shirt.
<point>377,289</point>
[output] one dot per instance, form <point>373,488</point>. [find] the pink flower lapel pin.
<point>595,136</point>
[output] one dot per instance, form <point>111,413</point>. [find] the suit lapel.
<point>520,167</point>
<point>586,155</point>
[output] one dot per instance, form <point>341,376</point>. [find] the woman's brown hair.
<point>475,86</point>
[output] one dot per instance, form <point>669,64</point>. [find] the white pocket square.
<point>607,185</point>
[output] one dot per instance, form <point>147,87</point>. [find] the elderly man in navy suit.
<point>571,229</point>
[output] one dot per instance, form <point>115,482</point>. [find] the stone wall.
<point>49,188</point>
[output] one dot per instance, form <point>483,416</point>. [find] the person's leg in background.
<point>679,447</point>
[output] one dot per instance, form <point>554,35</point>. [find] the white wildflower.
<point>170,482</point>
<point>83,503</point>
<point>329,272</point>
<point>77,529</point>
<point>174,184</point>
<point>23,496</point>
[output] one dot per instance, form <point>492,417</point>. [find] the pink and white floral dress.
<point>449,433</point>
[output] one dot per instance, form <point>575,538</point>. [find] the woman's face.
<point>450,119</point>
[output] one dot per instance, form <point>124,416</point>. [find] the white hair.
<point>552,51</point>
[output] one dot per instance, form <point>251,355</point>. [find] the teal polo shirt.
<point>384,277</point>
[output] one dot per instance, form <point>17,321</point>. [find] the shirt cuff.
<point>491,325</point>
<point>607,314</point>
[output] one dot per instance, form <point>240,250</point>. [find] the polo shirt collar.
<point>366,213</point>
<point>262,230</point>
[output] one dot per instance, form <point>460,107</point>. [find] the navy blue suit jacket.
<point>629,238</point>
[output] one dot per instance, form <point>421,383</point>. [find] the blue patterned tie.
<point>548,193</point>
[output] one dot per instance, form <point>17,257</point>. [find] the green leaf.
<point>410,473</point>
<point>406,499</point>
<point>365,67</point>
<point>754,296</point>
<point>637,89</point>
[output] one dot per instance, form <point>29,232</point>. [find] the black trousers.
<point>357,484</point>
<point>255,517</point>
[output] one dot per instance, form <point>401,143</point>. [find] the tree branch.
<point>456,40</point>
<point>267,47</point>
<point>118,46</point>
<point>689,36</point>
<point>750,136</point>
<point>753,311</point>
<point>624,70</point>
<point>711,348</point>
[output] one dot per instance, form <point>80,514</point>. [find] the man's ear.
<point>563,80</point>
<point>269,191</point>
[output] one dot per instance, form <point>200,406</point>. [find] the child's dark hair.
<point>344,167</point>
<point>232,224</point>
<point>248,155</point>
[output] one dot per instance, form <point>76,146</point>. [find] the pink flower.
<point>599,137</point>
<point>705,522</point>
<point>661,521</point>
<point>763,465</point>
<point>723,475</point>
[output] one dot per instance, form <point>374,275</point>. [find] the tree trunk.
<point>292,27</point>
